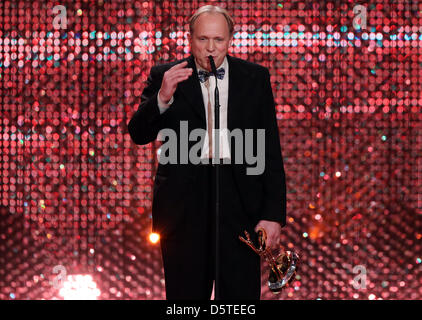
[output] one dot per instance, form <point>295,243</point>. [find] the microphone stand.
<point>216,163</point>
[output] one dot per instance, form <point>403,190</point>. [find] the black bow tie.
<point>204,75</point>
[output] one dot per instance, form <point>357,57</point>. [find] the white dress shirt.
<point>223,88</point>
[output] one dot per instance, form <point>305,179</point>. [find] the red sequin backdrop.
<point>76,192</point>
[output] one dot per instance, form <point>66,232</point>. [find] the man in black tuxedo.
<point>183,207</point>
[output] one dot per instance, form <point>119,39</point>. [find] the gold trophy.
<point>283,266</point>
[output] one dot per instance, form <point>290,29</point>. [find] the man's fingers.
<point>176,78</point>
<point>174,81</point>
<point>172,77</point>
<point>173,84</point>
<point>170,72</point>
<point>273,232</point>
<point>273,241</point>
<point>179,65</point>
<point>180,72</point>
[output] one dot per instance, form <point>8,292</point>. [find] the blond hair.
<point>211,9</point>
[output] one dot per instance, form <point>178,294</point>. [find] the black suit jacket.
<point>250,106</point>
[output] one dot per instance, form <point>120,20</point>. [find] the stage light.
<point>154,237</point>
<point>79,287</point>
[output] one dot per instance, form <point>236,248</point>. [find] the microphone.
<point>213,68</point>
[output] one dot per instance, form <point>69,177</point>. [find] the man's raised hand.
<point>172,77</point>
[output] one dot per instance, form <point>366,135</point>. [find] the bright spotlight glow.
<point>79,287</point>
<point>154,237</point>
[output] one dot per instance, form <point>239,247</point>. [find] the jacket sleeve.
<point>145,123</point>
<point>274,208</point>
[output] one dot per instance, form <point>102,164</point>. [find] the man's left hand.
<point>273,231</point>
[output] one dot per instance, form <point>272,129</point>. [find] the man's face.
<point>210,36</point>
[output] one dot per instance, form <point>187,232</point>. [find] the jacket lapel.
<point>191,89</point>
<point>238,81</point>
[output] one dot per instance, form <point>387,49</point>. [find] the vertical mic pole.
<point>217,180</point>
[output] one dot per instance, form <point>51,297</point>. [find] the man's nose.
<point>210,46</point>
